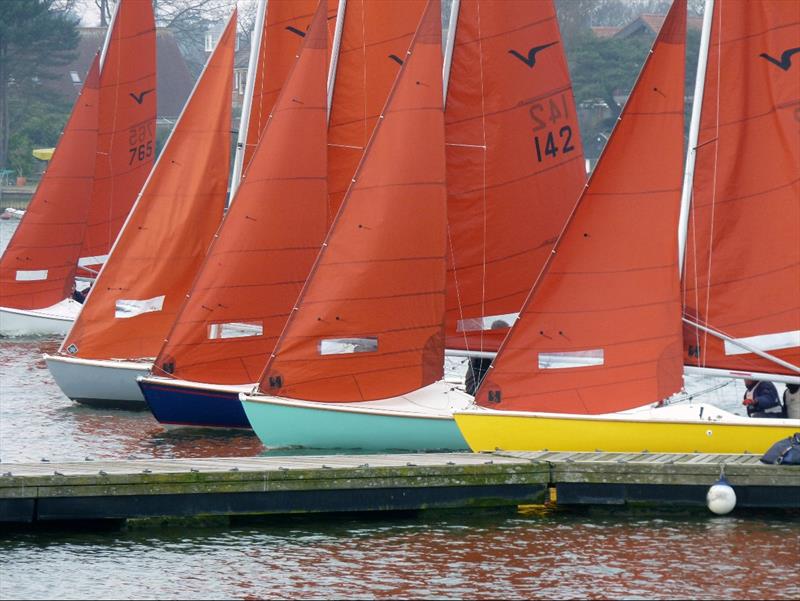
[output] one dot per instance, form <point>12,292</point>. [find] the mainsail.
<point>742,263</point>
<point>369,323</point>
<point>375,37</point>
<point>38,266</point>
<point>140,288</point>
<point>285,25</point>
<point>600,330</point>
<point>126,141</point>
<point>267,243</point>
<point>515,163</point>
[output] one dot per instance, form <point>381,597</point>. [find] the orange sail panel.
<point>375,38</point>
<point>600,331</point>
<point>38,266</point>
<point>285,26</point>
<point>139,290</point>
<point>515,163</point>
<point>369,323</point>
<point>126,141</point>
<point>268,241</point>
<point>742,270</point>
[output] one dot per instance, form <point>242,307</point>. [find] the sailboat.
<point>384,256</point>
<point>487,130</point>
<point>153,261</point>
<point>222,337</point>
<point>600,344</point>
<point>100,163</point>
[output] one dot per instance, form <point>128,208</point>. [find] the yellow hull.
<point>488,431</point>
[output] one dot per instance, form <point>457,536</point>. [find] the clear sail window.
<point>571,359</point>
<point>346,346</point>
<point>235,329</point>
<point>31,275</point>
<point>487,322</point>
<point>763,342</point>
<point>125,309</point>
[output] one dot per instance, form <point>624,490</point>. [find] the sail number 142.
<point>549,139</point>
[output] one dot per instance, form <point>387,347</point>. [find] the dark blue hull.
<point>193,407</point>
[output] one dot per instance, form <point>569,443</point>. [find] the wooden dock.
<point>179,488</point>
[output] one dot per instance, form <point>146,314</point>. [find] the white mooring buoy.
<point>721,498</point>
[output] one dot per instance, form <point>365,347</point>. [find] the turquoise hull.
<point>290,426</point>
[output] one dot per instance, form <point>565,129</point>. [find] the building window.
<point>75,77</point>
<point>241,80</point>
<point>209,42</point>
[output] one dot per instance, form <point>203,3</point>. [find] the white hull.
<point>100,383</point>
<point>50,321</point>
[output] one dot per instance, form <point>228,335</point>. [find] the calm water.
<point>493,555</point>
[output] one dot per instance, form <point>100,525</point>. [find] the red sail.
<point>38,266</point>
<point>515,163</point>
<point>285,25</point>
<point>126,127</point>
<point>375,37</point>
<point>742,268</point>
<point>600,331</point>
<point>267,243</point>
<point>369,322</point>
<point>139,290</point>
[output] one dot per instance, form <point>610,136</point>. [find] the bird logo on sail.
<point>530,59</point>
<point>139,98</point>
<point>294,30</point>
<point>786,58</point>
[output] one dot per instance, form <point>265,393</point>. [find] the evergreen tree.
<point>35,36</point>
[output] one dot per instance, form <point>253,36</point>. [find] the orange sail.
<point>375,38</point>
<point>285,25</point>
<point>230,344</point>
<point>126,141</point>
<point>742,266</point>
<point>137,294</point>
<point>515,163</point>
<point>600,330</point>
<point>38,266</point>
<point>268,241</point>
<point>369,323</point>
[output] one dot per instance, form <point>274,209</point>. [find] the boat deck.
<point>275,485</point>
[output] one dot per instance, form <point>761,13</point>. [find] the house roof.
<point>651,23</point>
<point>605,32</point>
<point>174,80</point>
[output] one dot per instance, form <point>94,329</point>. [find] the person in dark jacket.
<point>762,400</point>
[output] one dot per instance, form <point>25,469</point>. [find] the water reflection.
<point>552,555</point>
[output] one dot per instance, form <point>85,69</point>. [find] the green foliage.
<point>603,71</point>
<point>34,38</point>
<point>37,123</point>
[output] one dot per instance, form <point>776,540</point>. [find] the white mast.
<point>448,48</point>
<point>247,104</point>
<point>107,39</point>
<point>694,130</point>
<point>337,41</point>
